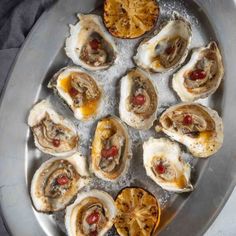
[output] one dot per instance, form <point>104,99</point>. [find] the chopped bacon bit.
<point>93,218</point>
<point>197,74</point>
<point>73,92</point>
<point>138,100</point>
<point>62,180</point>
<point>94,44</point>
<point>110,152</point>
<point>56,142</point>
<point>160,168</point>
<point>188,120</point>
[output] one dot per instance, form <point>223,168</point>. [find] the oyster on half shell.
<point>110,154</point>
<point>201,76</point>
<point>196,126</point>
<point>167,49</point>
<point>57,182</point>
<point>163,163</point>
<point>53,134</point>
<point>79,90</point>
<point>138,100</point>
<point>92,213</point>
<point>89,44</point>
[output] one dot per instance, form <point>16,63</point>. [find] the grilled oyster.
<point>196,126</point>
<point>89,44</point>
<point>167,49</point>
<point>57,182</point>
<point>79,90</point>
<point>53,134</point>
<point>92,213</point>
<point>163,163</point>
<point>110,153</point>
<point>138,100</point>
<point>201,76</point>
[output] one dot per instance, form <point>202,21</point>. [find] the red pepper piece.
<point>93,233</point>
<point>197,74</point>
<point>138,100</point>
<point>94,44</point>
<point>160,169</point>
<point>188,120</point>
<point>169,50</point>
<point>62,180</point>
<point>56,142</point>
<point>110,152</point>
<point>73,92</point>
<point>93,218</point>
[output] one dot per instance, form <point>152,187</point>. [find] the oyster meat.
<point>92,213</point>
<point>110,152</point>
<point>138,100</point>
<point>201,76</point>
<point>194,125</point>
<point>53,134</point>
<point>163,163</point>
<point>89,44</point>
<point>79,90</point>
<point>57,182</point>
<point>167,49</point>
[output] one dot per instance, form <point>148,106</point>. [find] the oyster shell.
<point>196,126</point>
<point>79,90</point>
<point>138,100</point>
<point>57,182</point>
<point>163,163</point>
<point>89,44</point>
<point>92,213</point>
<point>167,49</point>
<point>53,134</point>
<point>201,76</point>
<point>110,152</point>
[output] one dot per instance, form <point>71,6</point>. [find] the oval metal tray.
<point>42,54</point>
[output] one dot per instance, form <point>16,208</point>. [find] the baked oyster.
<point>201,76</point>
<point>89,44</point>
<point>53,134</point>
<point>57,182</point>
<point>163,163</point>
<point>79,90</point>
<point>138,100</point>
<point>198,127</point>
<point>110,154</point>
<point>92,213</point>
<point>167,49</point>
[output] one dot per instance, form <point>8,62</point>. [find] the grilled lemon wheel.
<point>138,212</point>
<point>130,18</point>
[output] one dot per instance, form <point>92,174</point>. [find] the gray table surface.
<point>225,223</point>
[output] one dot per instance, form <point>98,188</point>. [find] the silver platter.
<point>42,55</point>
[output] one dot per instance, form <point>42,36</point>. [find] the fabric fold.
<point>17,18</point>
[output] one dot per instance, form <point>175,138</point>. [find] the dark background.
<point>17,17</point>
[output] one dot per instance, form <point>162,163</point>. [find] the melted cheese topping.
<point>65,84</point>
<point>89,108</point>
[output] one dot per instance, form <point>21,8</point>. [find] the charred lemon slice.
<point>130,18</point>
<point>138,212</point>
